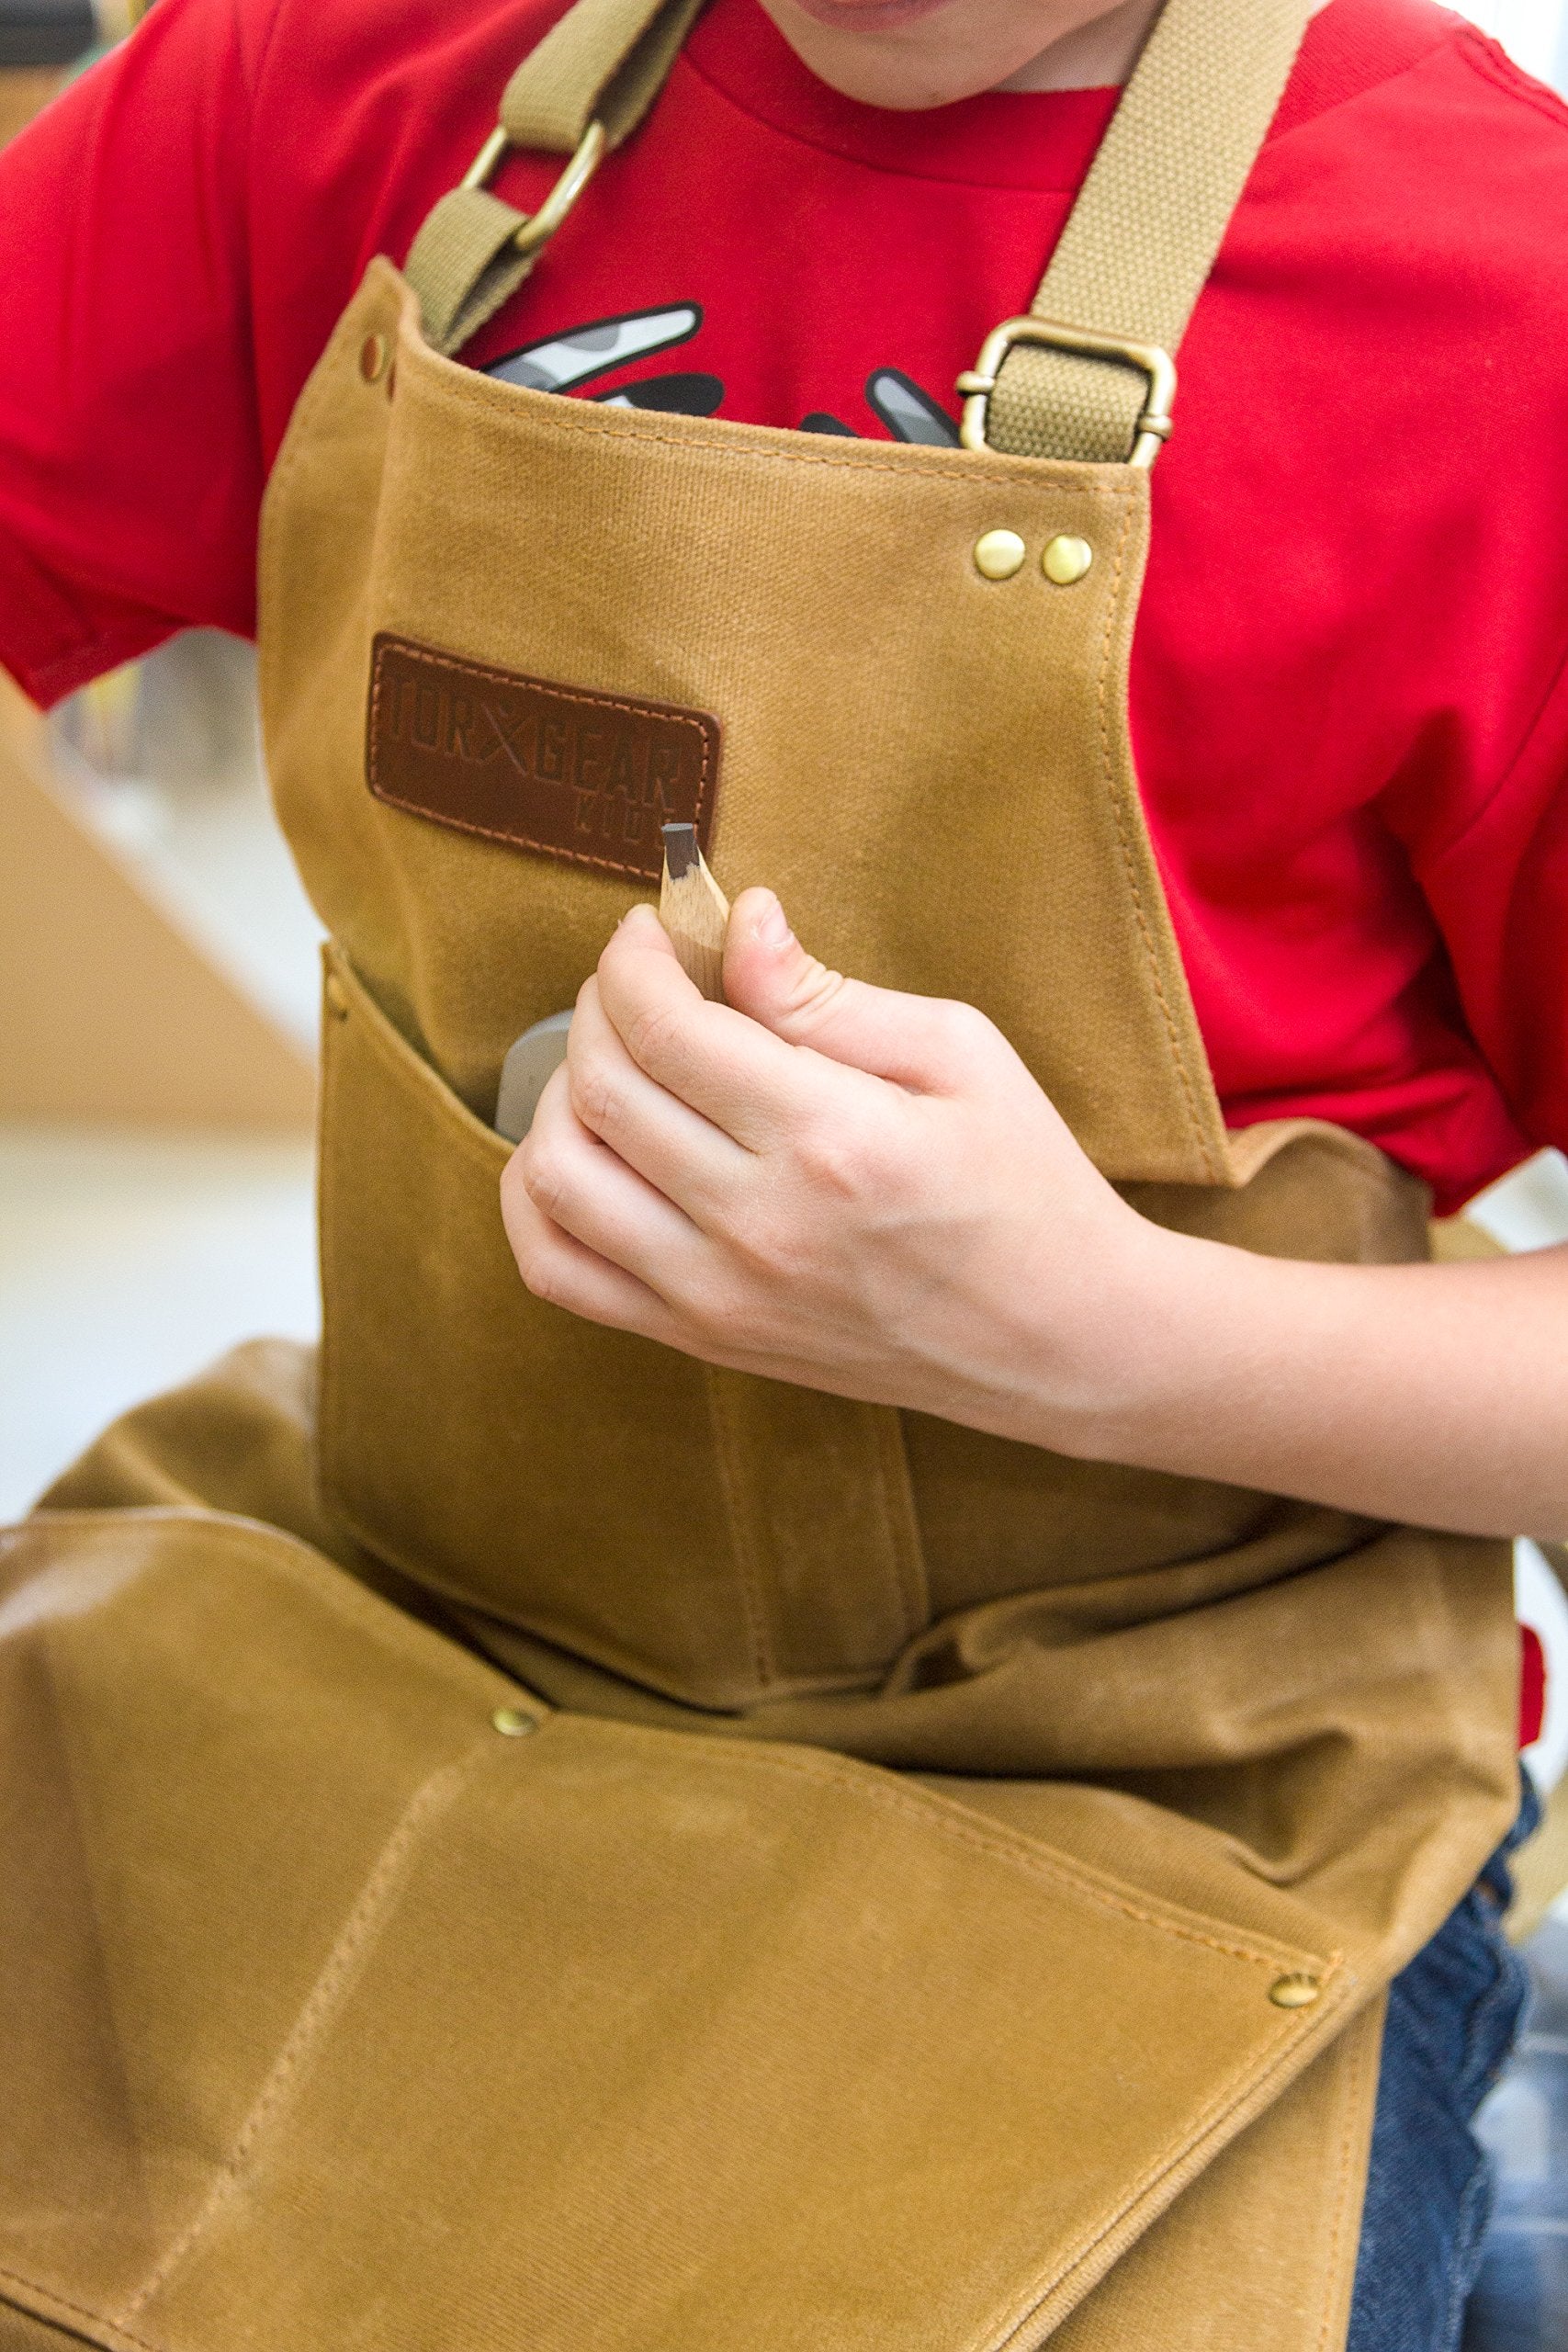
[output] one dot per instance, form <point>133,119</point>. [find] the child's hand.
<point>829,1183</point>
<point>867,1193</point>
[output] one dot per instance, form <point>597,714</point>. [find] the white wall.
<point>1534,31</point>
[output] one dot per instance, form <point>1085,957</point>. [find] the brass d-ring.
<point>541,226</point>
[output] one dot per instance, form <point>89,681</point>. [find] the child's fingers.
<point>587,1190</point>
<point>927,1044</point>
<point>692,1161</point>
<point>736,1072</point>
<point>563,1272</point>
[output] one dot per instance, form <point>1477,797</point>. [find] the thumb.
<point>923,1042</point>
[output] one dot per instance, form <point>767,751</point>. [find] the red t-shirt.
<point>1348,705</point>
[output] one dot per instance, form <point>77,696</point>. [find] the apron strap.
<point>604,61</point>
<point>583,90</point>
<point>1142,238</point>
<point>1132,261</point>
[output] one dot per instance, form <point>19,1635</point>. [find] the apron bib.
<point>642,1856</point>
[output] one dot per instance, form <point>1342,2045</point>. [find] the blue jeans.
<point>1452,2016</point>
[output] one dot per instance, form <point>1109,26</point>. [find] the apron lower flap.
<point>336,2016</point>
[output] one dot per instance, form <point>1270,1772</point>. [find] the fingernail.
<point>772,928</point>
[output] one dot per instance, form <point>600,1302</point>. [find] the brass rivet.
<point>373,358</point>
<point>337,1003</point>
<point>1066,560</point>
<point>512,1723</point>
<point>997,554</point>
<point>1294,1992</point>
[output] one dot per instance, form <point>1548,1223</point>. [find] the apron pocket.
<point>717,1537</point>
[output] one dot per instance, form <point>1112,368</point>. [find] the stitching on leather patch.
<point>584,777</point>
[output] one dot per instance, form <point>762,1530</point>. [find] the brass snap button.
<point>373,357</point>
<point>513,1723</point>
<point>1066,560</point>
<point>1294,1992</point>
<point>997,554</point>
<point>337,1003</point>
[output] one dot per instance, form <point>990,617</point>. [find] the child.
<point>1033,1264</point>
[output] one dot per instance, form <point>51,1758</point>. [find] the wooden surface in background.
<point>110,1014</point>
<point>25,90</point>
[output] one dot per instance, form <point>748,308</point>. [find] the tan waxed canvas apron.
<point>943,1895</point>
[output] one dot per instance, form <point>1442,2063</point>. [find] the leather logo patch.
<point>586,777</point>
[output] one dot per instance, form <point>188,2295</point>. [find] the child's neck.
<point>911,54</point>
<point>1097,56</point>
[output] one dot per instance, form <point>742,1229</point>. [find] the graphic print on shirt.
<point>562,363</point>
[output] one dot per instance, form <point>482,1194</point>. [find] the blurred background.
<point>158,971</point>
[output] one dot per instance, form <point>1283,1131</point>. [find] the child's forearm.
<point>1432,1394</point>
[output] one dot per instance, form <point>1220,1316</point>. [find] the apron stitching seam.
<point>748,1579</point>
<point>1217,2107</point>
<point>397,642</point>
<point>867,460</point>
<point>1125,844</point>
<point>334,1981</point>
<point>389,1044</point>
<point>291,457</point>
<point>328,1404</point>
<point>1348,2172</point>
<point>384,792</point>
<point>512,841</point>
<point>1248,2073</point>
<point>904,1560</point>
<point>1030,1864</point>
<point>1031,1861</point>
<point>81,2311</point>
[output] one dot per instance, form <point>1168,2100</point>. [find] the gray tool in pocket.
<point>528,1067</point>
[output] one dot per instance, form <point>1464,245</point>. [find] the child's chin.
<point>869,16</point>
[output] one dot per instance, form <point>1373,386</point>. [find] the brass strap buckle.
<point>540,227</point>
<point>977,383</point>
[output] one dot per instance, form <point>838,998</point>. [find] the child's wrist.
<point>1143,1355</point>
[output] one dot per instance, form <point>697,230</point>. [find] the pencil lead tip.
<point>681,851</point>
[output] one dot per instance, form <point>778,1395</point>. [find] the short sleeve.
<point>130,471</point>
<point>1500,894</point>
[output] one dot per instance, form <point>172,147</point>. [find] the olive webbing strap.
<point>1132,261</point>
<point>464,263</point>
<point>604,61</point>
<point>1141,240</point>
